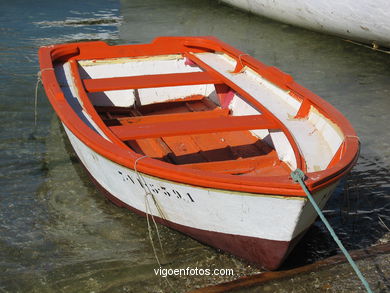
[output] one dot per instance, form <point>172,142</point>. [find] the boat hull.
<point>364,21</point>
<point>261,229</point>
<point>256,216</point>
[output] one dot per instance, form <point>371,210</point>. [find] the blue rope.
<point>299,176</point>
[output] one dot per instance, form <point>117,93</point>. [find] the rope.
<point>39,80</point>
<point>148,212</point>
<point>148,192</point>
<point>373,46</point>
<point>148,209</point>
<point>299,176</point>
<point>383,223</point>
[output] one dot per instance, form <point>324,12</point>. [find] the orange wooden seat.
<point>192,126</point>
<point>161,147</point>
<point>197,134</point>
<point>174,117</point>
<point>149,81</point>
<point>268,164</point>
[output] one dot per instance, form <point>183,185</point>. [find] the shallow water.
<point>57,233</point>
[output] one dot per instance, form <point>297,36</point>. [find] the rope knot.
<point>297,175</point>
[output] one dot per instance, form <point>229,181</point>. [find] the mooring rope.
<point>299,176</point>
<point>373,46</point>
<point>39,80</point>
<point>383,223</point>
<point>148,211</point>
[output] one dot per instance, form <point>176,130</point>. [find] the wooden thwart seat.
<point>197,125</point>
<point>268,164</point>
<point>149,81</point>
<point>178,117</point>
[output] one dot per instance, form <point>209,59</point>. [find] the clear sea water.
<point>59,234</point>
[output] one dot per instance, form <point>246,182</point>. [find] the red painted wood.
<point>304,109</point>
<point>87,105</point>
<point>149,81</point>
<point>301,163</point>
<point>174,117</point>
<point>225,94</point>
<point>337,156</point>
<point>245,165</point>
<point>195,126</point>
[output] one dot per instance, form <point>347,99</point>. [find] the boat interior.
<point>201,111</point>
<point>232,152</point>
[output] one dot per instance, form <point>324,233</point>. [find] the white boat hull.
<point>361,20</point>
<point>245,206</point>
<point>252,223</point>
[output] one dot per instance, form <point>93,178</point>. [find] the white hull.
<point>276,218</point>
<point>361,20</point>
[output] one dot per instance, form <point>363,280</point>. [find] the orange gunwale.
<point>119,153</point>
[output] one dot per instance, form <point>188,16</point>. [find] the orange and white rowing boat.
<point>202,137</point>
